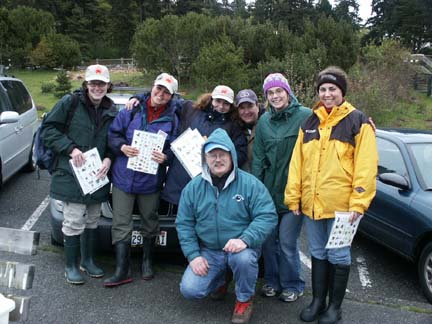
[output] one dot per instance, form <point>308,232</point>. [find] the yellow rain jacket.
<point>334,164</point>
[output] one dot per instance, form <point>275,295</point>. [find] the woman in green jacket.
<point>275,137</point>
<point>88,128</point>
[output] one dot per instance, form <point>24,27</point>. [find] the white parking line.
<point>363,273</point>
<point>306,261</point>
<point>36,214</point>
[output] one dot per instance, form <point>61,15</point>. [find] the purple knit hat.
<point>276,80</point>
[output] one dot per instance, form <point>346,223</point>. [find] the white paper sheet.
<point>342,233</point>
<point>187,148</point>
<point>86,174</point>
<point>146,143</point>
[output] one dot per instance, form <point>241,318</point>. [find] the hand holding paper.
<point>343,231</point>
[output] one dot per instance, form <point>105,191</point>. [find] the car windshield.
<point>422,153</point>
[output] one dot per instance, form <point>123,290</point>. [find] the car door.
<point>19,140</point>
<point>390,219</point>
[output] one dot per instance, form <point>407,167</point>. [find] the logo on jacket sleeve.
<point>238,198</point>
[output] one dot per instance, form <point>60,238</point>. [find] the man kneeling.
<point>224,216</point>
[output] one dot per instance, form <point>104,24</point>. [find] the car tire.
<point>425,271</point>
<point>54,242</point>
<point>31,163</point>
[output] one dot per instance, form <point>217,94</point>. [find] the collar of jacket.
<point>337,113</point>
<point>106,102</point>
<point>215,116</point>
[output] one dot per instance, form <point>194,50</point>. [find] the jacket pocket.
<point>345,152</point>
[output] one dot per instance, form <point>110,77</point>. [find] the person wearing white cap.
<point>153,112</point>
<point>211,111</point>
<point>76,124</point>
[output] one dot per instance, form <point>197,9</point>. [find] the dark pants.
<point>123,204</point>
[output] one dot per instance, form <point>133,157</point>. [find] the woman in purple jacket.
<point>156,112</point>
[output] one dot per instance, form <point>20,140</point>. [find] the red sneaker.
<point>242,312</point>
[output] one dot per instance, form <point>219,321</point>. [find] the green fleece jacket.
<point>275,137</point>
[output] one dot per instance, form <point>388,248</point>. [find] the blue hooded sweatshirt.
<point>209,218</point>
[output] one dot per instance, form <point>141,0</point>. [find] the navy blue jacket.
<point>121,132</point>
<point>206,121</point>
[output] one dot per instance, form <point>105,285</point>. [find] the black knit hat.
<point>337,79</point>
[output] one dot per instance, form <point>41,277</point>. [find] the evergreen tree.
<point>409,21</point>
<point>348,10</point>
<point>64,85</point>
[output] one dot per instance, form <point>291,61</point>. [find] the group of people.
<point>266,170</point>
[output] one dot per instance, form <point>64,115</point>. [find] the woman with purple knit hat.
<point>275,136</point>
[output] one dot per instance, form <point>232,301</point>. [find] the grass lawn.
<point>417,114</point>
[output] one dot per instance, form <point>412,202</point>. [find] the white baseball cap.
<point>168,81</point>
<point>97,72</point>
<point>223,92</point>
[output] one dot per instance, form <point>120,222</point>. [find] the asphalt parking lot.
<point>382,288</point>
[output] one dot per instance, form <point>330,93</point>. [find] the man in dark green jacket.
<point>88,129</point>
<point>275,138</point>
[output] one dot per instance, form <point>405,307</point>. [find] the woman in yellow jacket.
<point>333,168</point>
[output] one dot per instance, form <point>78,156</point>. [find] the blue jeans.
<point>289,261</point>
<point>244,266</point>
<point>282,265</point>
<point>318,233</point>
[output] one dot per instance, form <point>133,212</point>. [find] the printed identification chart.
<point>187,148</point>
<point>342,233</point>
<point>146,143</point>
<point>86,174</point>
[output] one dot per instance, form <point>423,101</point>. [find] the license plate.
<point>161,239</point>
<point>137,238</point>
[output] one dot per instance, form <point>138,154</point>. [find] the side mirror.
<point>395,180</point>
<point>9,117</point>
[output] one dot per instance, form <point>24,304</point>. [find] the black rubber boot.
<point>147,263</point>
<point>122,272</point>
<point>88,245</point>
<point>337,286</point>
<point>72,253</point>
<point>320,278</point>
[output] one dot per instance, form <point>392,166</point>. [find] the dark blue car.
<point>400,216</point>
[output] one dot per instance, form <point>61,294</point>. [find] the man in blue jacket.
<point>224,216</point>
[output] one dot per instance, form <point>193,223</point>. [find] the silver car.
<point>18,124</point>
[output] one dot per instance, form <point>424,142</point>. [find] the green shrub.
<point>48,87</point>
<point>220,63</point>
<point>381,82</point>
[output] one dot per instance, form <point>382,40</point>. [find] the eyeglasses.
<point>93,84</point>
<point>221,156</point>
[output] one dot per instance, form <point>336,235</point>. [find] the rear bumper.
<point>104,231</point>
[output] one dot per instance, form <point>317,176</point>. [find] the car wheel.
<point>31,164</point>
<point>54,242</point>
<point>425,271</point>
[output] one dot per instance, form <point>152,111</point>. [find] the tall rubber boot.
<point>320,282</point>
<point>72,252</point>
<point>147,263</point>
<point>122,272</point>
<point>338,283</point>
<point>88,247</point>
